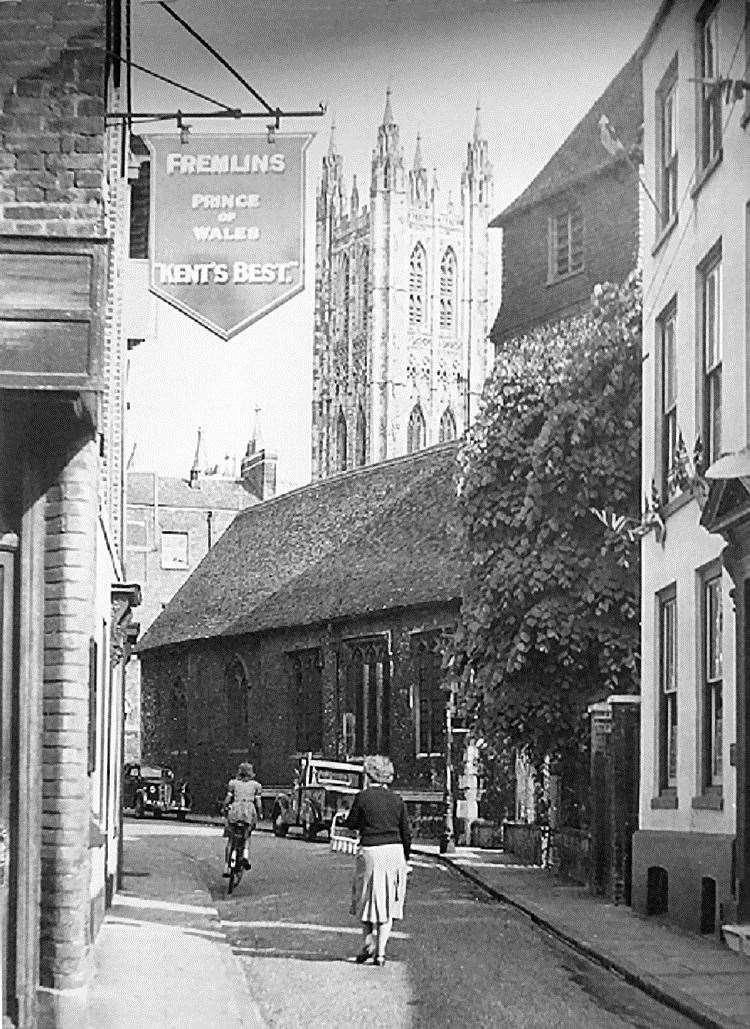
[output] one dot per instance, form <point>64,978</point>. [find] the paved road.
<point>460,959</point>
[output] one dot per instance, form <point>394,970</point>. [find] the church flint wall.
<point>208,753</point>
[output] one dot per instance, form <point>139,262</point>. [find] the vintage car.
<point>321,788</point>
<point>153,788</point>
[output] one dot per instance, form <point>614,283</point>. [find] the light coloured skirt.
<point>379,885</point>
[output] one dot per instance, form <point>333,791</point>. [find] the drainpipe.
<point>209,518</point>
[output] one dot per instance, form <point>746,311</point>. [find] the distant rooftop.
<point>373,539</point>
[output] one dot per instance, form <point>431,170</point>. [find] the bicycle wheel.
<point>235,868</point>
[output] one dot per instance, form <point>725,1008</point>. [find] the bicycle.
<point>238,832</point>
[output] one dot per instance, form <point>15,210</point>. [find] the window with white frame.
<point>709,85</point>
<point>566,243</point>
<point>666,112</point>
<point>710,296</point>
<point>668,710</point>
<point>713,682</point>
<point>418,288</point>
<point>448,292</point>
<point>667,338</point>
<point>174,550</point>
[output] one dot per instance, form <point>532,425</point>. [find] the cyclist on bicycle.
<point>242,804</point>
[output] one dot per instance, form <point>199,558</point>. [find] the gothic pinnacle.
<point>388,113</point>
<point>477,124</point>
<point>418,162</point>
<point>332,140</point>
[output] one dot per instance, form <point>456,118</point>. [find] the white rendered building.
<point>695,392</point>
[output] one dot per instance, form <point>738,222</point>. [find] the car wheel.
<point>181,816</point>
<point>280,828</point>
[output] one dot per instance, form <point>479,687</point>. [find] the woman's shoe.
<point>378,960</point>
<point>225,874</point>
<point>364,955</point>
<point>246,864</point>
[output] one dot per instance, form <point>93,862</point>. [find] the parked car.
<point>321,788</point>
<point>153,788</point>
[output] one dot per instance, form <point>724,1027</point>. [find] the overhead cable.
<point>214,53</point>
<point>170,82</point>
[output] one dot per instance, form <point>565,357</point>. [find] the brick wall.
<point>52,125</point>
<point>70,515</point>
<point>609,204</point>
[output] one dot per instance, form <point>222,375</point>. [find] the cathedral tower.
<point>401,319</point>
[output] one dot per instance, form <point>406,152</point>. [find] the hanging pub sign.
<point>227,225</point>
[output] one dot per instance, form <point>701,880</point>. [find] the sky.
<point>534,66</point>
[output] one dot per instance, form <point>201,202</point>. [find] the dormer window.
<point>565,240</point>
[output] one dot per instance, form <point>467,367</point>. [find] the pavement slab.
<point>698,976</point>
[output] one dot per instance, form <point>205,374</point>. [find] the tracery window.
<point>341,442</point>
<point>367,697</point>
<point>418,287</point>
<point>308,699</point>
<point>416,433</point>
<point>448,292</point>
<point>345,294</point>
<point>360,445</point>
<point>236,688</point>
<point>428,699</point>
<point>447,426</point>
<point>364,292</point>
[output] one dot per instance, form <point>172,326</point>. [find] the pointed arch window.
<point>360,446</point>
<point>366,722</point>
<point>235,682</point>
<point>341,442</point>
<point>345,293</point>
<point>447,426</point>
<point>448,292</point>
<point>418,287</point>
<point>416,433</point>
<point>307,668</point>
<point>364,278</point>
<point>178,711</point>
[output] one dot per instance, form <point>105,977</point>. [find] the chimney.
<point>258,470</point>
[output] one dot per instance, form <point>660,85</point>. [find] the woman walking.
<point>381,868</point>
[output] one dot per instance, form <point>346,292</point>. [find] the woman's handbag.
<point>343,840</point>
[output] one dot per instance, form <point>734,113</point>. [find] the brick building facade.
<point>172,525</point>
<point>64,605</point>
<point>315,623</point>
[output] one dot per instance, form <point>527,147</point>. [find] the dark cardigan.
<point>381,818</point>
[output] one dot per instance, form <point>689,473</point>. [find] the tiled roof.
<point>374,539</point>
<point>212,493</point>
<point>582,153</point>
